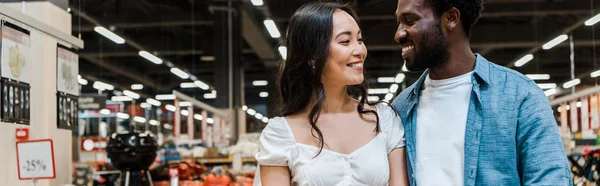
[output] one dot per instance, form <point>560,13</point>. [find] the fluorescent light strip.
<point>150,57</point>
<point>180,73</point>
<point>592,20</point>
<point>153,102</point>
<point>185,104</point>
<point>251,112</point>
<point>185,112</point>
<point>259,83</point>
<point>244,108</point>
<point>131,94</point>
<point>139,119</point>
<point>546,85</point>
<point>555,41</point>
<point>257,2</point>
<point>170,108</point>
<point>258,116</point>
<point>394,88</point>
<point>523,60</point>
<point>121,98</point>
<point>105,111</point>
<point>538,76</point>
<point>378,91</point>
<point>109,35</point>
<point>571,83</point>
<point>207,58</point>
<point>263,94</point>
<point>373,98</point>
<point>145,105</point>
<point>399,78</point>
<point>210,96</point>
<point>386,80</point>
<point>153,122</point>
<point>282,51</point>
<point>595,74</point>
<point>168,126</point>
<point>165,97</point>
<point>210,120</point>
<point>201,85</point>
<point>578,104</point>
<point>550,92</point>
<point>265,120</point>
<point>188,85</point>
<point>82,81</point>
<point>122,115</point>
<point>103,86</point>
<point>389,96</point>
<point>272,28</point>
<point>198,117</point>
<point>137,87</point>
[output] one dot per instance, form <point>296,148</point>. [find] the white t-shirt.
<point>366,166</point>
<point>441,122</point>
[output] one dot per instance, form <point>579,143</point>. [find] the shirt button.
<point>347,159</point>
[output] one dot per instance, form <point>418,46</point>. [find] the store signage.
<point>22,133</point>
<point>67,69</point>
<point>92,102</point>
<point>35,159</point>
<point>92,144</point>
<point>15,56</point>
<point>574,117</point>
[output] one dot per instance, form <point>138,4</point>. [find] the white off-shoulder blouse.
<point>368,165</point>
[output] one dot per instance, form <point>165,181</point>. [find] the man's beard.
<point>433,50</point>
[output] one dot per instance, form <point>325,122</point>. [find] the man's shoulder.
<point>504,75</point>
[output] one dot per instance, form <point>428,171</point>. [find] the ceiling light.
<point>105,111</point>
<point>210,96</point>
<point>282,51</point>
<point>546,85</point>
<point>210,120</point>
<point>257,2</point>
<point>103,86</point>
<point>550,92</point>
<point>165,97</point>
<point>571,83</point>
<point>188,85</point>
<point>82,81</point>
<point>393,88</point>
<point>69,10</point>
<point>145,105</point>
<point>185,104</point>
<point>251,112</point>
<point>592,20</point>
<point>378,91</point>
<point>131,94</point>
<point>185,112</point>
<point>170,108</point>
<point>523,60</point>
<point>139,119</point>
<point>538,76</point>
<point>168,126</point>
<point>373,98</point>
<point>386,79</point>
<point>201,85</point>
<point>258,116</point>
<point>555,42</point>
<point>153,122</point>
<point>578,104</point>
<point>110,35</point>
<point>263,94</point>
<point>259,83</point>
<point>399,78</point>
<point>122,115</point>
<point>244,108</point>
<point>150,57</point>
<point>121,98</point>
<point>137,87</point>
<point>180,73</point>
<point>595,73</point>
<point>198,117</point>
<point>389,96</point>
<point>272,28</point>
<point>265,120</point>
<point>153,102</point>
<point>404,69</point>
<point>207,58</point>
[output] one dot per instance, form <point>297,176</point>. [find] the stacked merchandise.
<point>585,167</point>
<point>247,145</point>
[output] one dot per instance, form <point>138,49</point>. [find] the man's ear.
<point>451,19</point>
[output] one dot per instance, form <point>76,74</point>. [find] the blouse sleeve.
<point>276,143</point>
<point>392,127</point>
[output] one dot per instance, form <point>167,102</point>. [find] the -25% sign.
<point>34,165</point>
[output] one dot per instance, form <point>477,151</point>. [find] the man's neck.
<point>461,60</point>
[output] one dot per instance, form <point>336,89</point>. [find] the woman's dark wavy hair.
<point>308,38</point>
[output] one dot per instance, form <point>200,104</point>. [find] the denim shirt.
<point>511,135</point>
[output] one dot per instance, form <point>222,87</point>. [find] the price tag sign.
<point>35,159</point>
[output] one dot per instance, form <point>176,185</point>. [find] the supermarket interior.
<point>177,92</point>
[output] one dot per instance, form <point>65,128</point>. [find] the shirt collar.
<point>481,71</point>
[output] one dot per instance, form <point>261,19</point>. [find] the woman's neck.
<point>336,100</point>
